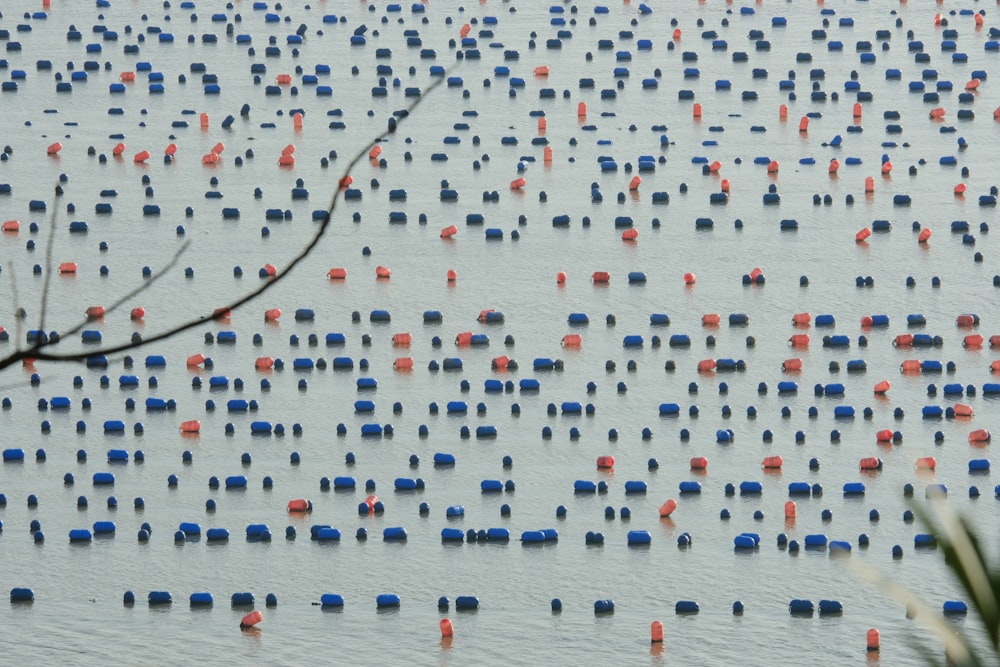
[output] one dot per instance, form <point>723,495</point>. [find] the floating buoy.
<point>210,158</point>
<point>937,113</point>
<point>170,149</point>
<point>518,184</point>
<point>783,112</point>
<point>403,364</point>
<point>447,630</point>
<point>634,183</point>
<point>862,235</point>
<point>882,387</point>
<point>118,149</point>
<point>886,168</point>
<point>54,148</point>
<point>790,509</point>
<point>547,154</point>
<point>561,278</point>
<point>804,124</point>
<point>630,234</point>
<point>402,339</point>
<point>711,319</point>
<point>251,619</point>
<point>706,365</point>
<point>870,463</point>
<point>272,314</point>
<point>299,505</point>
<point>286,160</point>
<point>191,426</point>
<point>772,167</point>
<point>799,340</point>
<point>926,463</point>
<point>203,119</point>
<point>139,157</point>
<point>337,273</point>
<point>382,272</point>
<point>696,110</point>
<point>572,340</point>
<point>869,184</point>
<point>667,508</point>
<point>772,462</point>
<point>449,231</point>
<point>601,277</point>
<point>195,360</point>
<point>605,462</point>
<point>581,110</point>
<point>979,435</point>
<point>12,226</point>
<point>67,267</point>
<point>924,235</point>
<point>834,167</point>
<point>218,148</point>
<point>874,640</point>
<point>95,312</point>
<point>857,110</point>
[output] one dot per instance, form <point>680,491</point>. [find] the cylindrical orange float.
<point>862,235</point>
<point>804,124</point>
<point>995,366</point>
<point>561,278</point>
<point>449,231</point>
<point>910,366</point>
<point>772,462</point>
<point>699,463</point>
<point>966,320</point>
<point>882,387</point>
<point>801,318</point>
<point>834,167</point>
<point>452,275</point>
<point>972,85</point>
<point>382,272</point>
<point>630,234</point>
<point>963,410</point>
<point>297,120</point>
<point>656,632</point>
<point>885,435</point>
<point>126,77</point>
<point>677,34</point>
<point>447,630</point>
<point>600,277</point>
<point>696,110</point>
<point>218,148</point>
<point>95,312</point>
<point>973,340</point>
<point>464,30</point>
<point>572,340</point>
<point>402,339</point>
<point>794,364</point>
<point>667,508</point>
<point>54,148</point>
<point>714,167</point>
<point>857,110</point>
<point>542,70</point>
<point>118,149</point>
<point>924,235</point>
<point>299,505</point>
<point>690,278</point>
<point>547,155</point>
<point>581,110</point>
<point>724,185</point>
<point>634,183</point>
<point>874,640</point>
<point>464,338</point>
<point>869,463</point>
<point>272,314</point>
<point>346,181</point>
<point>542,124</point>
<point>772,167</point>
<point>886,168</point>
<point>286,160</point>
<point>11,226</point>
<point>791,510</point>
<point>204,121</point>
<point>605,461</point>
<point>283,79</point>
<point>191,426</point>
<point>500,363</point>
<point>374,152</point>
<point>170,149</point>
<point>251,619</point>
<point>706,365</point>
<point>979,435</point>
<point>210,158</point>
<point>140,157</point>
<point>960,189</point>
<point>903,340</point>
<point>403,364</point>
<point>263,363</point>
<point>926,463</point>
<point>710,319</point>
<point>67,267</point>
<point>195,360</point>
<point>337,273</point>
<point>783,112</point>
<point>271,270</point>
<point>799,340</point>
<point>138,313</point>
<point>869,184</point>
<point>518,183</point>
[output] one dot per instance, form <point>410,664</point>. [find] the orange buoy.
<point>995,366</point>
<point>667,508</point>
<point>910,366</point>
<point>690,278</point>
<point>791,510</point>
<point>54,148</point>
<point>204,121</point>
<point>542,70</point>
<point>714,167</point>
<point>288,150</point>
<point>756,273</point>
<point>67,267</point>
<point>696,110</point>
<point>500,363</point>
<point>862,235</point>
<point>601,277</point>
<point>978,18</point>
<point>463,339</point>
<point>804,124</point>
<point>936,113</point>
<point>994,341</point>
<point>126,77</point>
<point>882,387</point>
<point>772,167</point>
<point>572,340</point>
<point>138,313</point>
<point>886,168</point>
<point>794,364</point>
<point>799,340</point>
<point>11,226</point>
<point>118,149</point>
<point>801,318</point>
<point>518,183</point>
<point>699,463</point>
<point>606,461</point>
<point>95,312</point>
<point>346,181</point>
<point>857,110</point>
<point>874,640</point>
<point>869,463</point>
<point>485,314</point>
<point>271,270</point>
<point>547,155</point>
<point>272,314</point>
<point>337,273</point>
<point>710,319</point>
<point>706,365</point>
<point>251,619</point>
<point>963,410</point>
<point>581,110</point>
<point>195,360</point>
<point>286,161</point>
<point>866,322</point>
<point>561,278</point>
<point>449,231</point>
<point>724,185</point>
<point>885,435</point>
<point>656,632</point>
<point>973,85</point>
<point>452,275</point>
<point>210,158</point>
<point>264,363</point>
<point>374,152</point>
<point>630,234</point>
<point>973,340</point>
<point>403,364</point>
<point>869,184</point>
<point>772,462</point>
<point>543,124</point>
<point>783,112</point>
<point>191,426</point>
<point>218,148</point>
<point>447,630</point>
<point>382,272</point>
<point>634,183</point>
<point>139,157</point>
<point>925,234</point>
<point>996,114</point>
<point>297,120</point>
<point>299,505</point>
<point>979,435</point>
<point>960,189</point>
<point>966,320</point>
<point>834,167</point>
<point>283,79</point>
<point>903,340</point>
<point>464,30</point>
<point>677,34</point>
<point>402,339</point>
<point>170,149</point>
<point>926,463</point>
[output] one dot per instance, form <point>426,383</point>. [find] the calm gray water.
<point>78,616</point>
